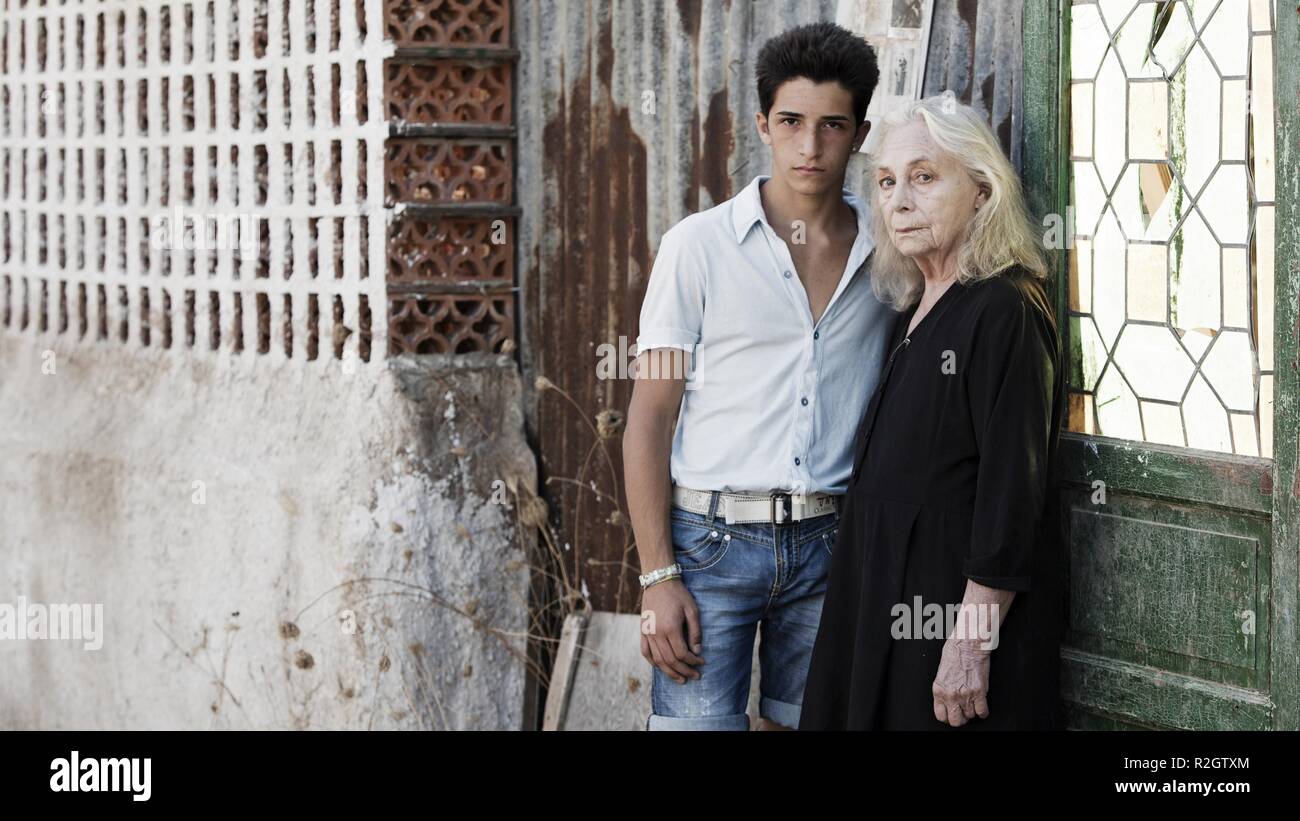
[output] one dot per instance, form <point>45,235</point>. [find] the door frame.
<point>1263,486</point>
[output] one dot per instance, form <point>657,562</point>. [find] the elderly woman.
<point>945,521</point>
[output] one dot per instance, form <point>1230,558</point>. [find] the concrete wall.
<point>223,511</point>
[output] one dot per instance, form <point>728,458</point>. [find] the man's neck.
<point>821,214</point>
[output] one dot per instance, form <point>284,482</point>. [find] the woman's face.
<point>925,195</point>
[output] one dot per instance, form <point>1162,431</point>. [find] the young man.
<point>765,303</point>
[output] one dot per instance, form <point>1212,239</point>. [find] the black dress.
<point>952,481</point>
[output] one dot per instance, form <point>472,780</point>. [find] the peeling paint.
<point>345,500</point>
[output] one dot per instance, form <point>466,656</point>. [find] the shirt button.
<point>817,334</point>
<point>788,275</point>
<point>803,401</point>
<point>796,460</point>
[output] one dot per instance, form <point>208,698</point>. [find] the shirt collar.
<point>747,208</point>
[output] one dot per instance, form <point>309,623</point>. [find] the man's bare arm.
<point>647,449</point>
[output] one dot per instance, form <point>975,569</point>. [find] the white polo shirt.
<point>774,401</point>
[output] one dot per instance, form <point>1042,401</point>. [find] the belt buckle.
<point>787,508</point>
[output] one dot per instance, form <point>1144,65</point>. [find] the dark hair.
<point>820,52</point>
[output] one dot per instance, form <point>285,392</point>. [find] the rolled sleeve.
<point>672,313</point>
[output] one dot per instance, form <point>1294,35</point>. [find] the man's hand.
<point>674,642</point>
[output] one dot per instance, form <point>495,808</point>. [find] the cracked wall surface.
<point>273,547</point>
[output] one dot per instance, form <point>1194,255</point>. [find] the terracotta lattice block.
<point>448,250</point>
<point>484,23</point>
<point>450,323</point>
<point>429,170</point>
<point>448,91</point>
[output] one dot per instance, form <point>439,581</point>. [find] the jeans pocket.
<point>697,545</point>
<point>828,540</point>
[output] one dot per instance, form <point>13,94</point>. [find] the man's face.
<point>811,131</point>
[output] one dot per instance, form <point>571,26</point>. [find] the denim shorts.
<point>743,576</point>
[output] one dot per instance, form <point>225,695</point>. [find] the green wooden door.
<point>1165,139</point>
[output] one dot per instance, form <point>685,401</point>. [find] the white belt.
<point>742,508</point>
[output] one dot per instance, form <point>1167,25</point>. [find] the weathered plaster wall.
<point>225,603</point>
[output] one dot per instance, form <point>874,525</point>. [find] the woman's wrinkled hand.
<point>961,686</point>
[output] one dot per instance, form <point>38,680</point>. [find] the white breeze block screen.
<point>199,175</point>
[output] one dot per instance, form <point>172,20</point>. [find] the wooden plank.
<point>1180,588</point>
<point>1081,718</point>
<point>1164,472</point>
<point>1153,697</point>
<point>1045,53</point>
<point>566,660</point>
<point>1286,391</point>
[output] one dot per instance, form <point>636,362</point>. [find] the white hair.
<point>1001,233</point>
